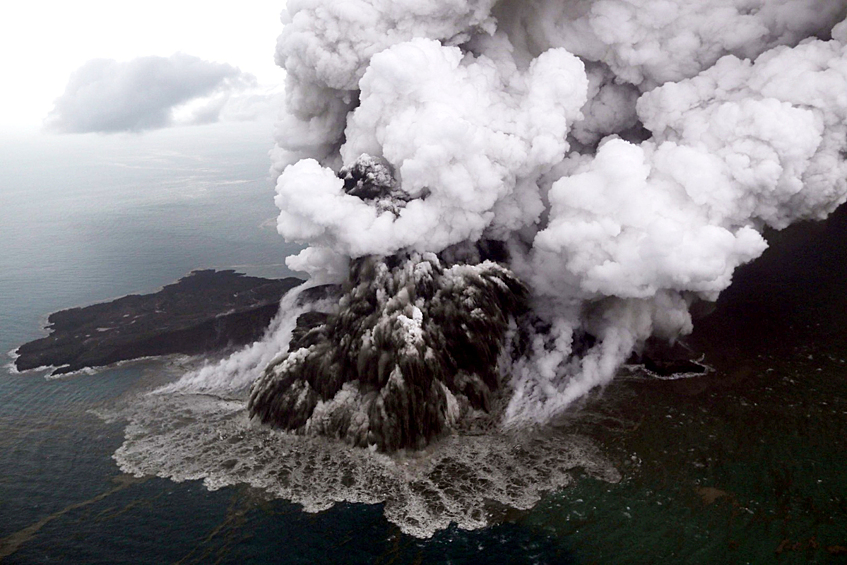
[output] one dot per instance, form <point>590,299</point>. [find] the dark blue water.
<point>745,465</point>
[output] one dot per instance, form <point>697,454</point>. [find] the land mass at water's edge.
<point>203,311</point>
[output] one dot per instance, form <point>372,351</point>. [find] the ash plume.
<point>625,154</point>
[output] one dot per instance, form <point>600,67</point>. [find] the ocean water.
<point>745,464</point>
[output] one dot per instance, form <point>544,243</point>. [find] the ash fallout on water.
<point>515,196</point>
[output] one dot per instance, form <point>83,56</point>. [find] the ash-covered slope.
<point>412,348</point>
<point>203,311</point>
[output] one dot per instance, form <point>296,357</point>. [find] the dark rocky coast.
<point>204,311</point>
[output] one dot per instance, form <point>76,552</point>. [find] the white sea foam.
<point>197,428</point>
<point>203,437</point>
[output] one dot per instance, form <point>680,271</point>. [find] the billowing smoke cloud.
<point>627,153</point>
<point>105,95</point>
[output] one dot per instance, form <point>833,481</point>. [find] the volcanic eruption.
<point>513,196</point>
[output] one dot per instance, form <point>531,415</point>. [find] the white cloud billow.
<point>146,93</point>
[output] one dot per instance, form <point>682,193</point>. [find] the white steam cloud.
<point>628,152</point>
<point>147,93</point>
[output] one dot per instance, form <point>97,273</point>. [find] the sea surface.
<point>747,464</point>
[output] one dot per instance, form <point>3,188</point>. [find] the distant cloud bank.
<point>147,93</point>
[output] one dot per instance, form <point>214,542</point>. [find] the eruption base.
<point>413,348</point>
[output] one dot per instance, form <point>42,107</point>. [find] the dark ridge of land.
<point>204,311</point>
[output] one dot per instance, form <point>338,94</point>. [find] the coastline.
<point>203,311</point>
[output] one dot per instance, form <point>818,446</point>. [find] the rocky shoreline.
<point>204,311</point>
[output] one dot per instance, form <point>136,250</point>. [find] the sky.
<point>43,43</point>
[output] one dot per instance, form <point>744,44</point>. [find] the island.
<point>205,311</point>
